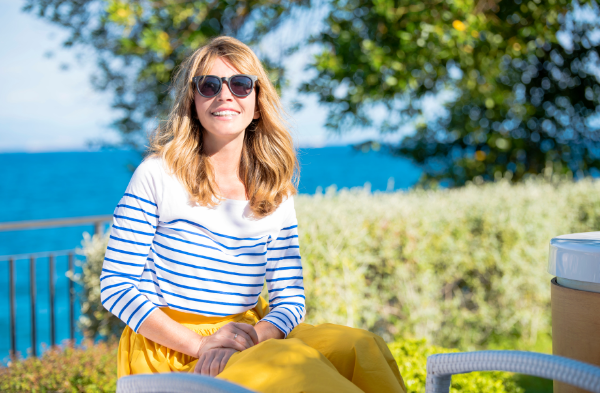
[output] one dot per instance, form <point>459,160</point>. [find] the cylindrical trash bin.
<point>575,295</point>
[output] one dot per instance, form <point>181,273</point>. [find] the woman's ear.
<point>256,114</point>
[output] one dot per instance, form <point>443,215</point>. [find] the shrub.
<point>93,368</point>
<point>411,356</point>
<point>94,320</point>
<point>464,268</point>
<point>89,368</point>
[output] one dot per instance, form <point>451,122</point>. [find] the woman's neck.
<point>225,155</point>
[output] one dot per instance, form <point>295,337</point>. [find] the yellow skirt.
<point>312,359</point>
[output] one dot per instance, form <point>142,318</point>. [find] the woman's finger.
<point>231,343</point>
<point>215,366</point>
<point>224,360</point>
<point>249,330</point>
<point>210,355</point>
<point>241,336</point>
<point>198,368</point>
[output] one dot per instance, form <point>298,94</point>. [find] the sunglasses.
<point>210,85</point>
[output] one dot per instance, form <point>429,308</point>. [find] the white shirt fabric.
<point>166,251</point>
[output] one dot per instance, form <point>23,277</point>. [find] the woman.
<point>206,219</point>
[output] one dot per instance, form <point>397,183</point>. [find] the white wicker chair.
<point>176,383</point>
<point>441,367</point>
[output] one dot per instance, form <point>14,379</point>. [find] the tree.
<point>523,102</point>
<point>139,44</point>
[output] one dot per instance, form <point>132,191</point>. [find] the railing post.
<point>97,227</point>
<point>71,299</point>
<point>33,298</point>
<point>51,284</point>
<point>13,325</point>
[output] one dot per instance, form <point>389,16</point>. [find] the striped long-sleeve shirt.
<point>167,251</point>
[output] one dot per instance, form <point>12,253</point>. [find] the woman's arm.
<point>161,329</point>
<point>265,331</point>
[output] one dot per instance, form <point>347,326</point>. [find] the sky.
<point>46,108</point>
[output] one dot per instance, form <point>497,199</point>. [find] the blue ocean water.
<point>76,184</point>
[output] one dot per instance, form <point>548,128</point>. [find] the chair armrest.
<point>176,383</point>
<point>441,367</point>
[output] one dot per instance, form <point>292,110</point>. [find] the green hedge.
<point>463,268</point>
<point>93,368</point>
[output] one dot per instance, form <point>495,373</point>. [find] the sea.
<point>37,186</point>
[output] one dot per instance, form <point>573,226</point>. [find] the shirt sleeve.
<point>284,277</point>
<point>134,224</point>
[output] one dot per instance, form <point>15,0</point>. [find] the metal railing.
<point>97,221</point>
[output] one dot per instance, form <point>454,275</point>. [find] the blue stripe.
<point>151,293</point>
<point>142,319</point>
<point>214,241</point>
<point>141,199</point>
<point>278,327</point>
<point>116,293</point>
<point>284,323</point>
<point>286,317</point>
<point>114,285</point>
<point>138,209</point>
<point>198,311</point>
<point>127,252</point>
<point>286,297</point>
<point>117,301</point>
<point>131,230</point>
<point>285,268</point>
<point>281,289</point>
<point>206,279</point>
<point>118,275</point>
<point>285,278</point>
<point>290,303</point>
<point>129,241</point>
<point>123,263</point>
<point>286,238</point>
<point>150,270</point>
<point>206,290</point>
<point>207,268</point>
<point>204,245</point>
<point>128,303</point>
<point>136,310</point>
<point>205,257</point>
<point>214,233</point>
<point>153,282</point>
<point>133,219</point>
<point>294,315</point>
<point>292,227</point>
<point>282,248</point>
<point>282,258</point>
<point>207,301</point>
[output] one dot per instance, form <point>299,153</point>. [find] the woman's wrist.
<point>266,330</point>
<point>200,345</point>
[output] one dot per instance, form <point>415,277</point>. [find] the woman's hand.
<point>234,335</point>
<point>213,362</point>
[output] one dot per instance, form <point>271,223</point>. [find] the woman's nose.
<point>225,93</point>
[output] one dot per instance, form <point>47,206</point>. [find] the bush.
<point>89,368</point>
<point>93,368</point>
<point>464,268</point>
<point>94,320</point>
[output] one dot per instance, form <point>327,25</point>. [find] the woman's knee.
<point>346,341</point>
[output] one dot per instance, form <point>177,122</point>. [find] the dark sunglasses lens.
<point>209,86</point>
<point>240,85</point>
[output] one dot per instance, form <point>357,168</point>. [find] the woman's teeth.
<point>225,113</point>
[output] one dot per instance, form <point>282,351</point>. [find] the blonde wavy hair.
<point>268,166</point>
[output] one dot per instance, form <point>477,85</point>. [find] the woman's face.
<point>225,115</point>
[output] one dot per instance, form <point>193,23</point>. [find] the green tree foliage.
<point>521,103</point>
<point>139,43</point>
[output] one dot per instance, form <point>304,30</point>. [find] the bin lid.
<point>576,257</point>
